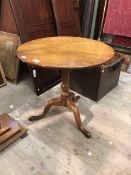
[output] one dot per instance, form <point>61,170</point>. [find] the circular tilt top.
<point>65,52</point>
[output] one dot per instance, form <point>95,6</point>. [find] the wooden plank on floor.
<point>9,134</point>
<point>5,129</point>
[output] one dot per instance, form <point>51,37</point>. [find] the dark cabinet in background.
<point>44,79</point>
<point>96,82</point>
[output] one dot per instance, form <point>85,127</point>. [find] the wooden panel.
<point>34,18</point>
<point>7,19</point>
<point>67,17</point>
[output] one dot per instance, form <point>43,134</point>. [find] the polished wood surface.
<point>65,52</point>
<point>10,131</point>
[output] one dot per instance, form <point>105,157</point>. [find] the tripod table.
<point>65,53</point>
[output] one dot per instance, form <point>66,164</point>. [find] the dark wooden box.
<point>95,83</point>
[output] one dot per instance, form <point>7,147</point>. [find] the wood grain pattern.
<point>10,131</point>
<point>7,21</point>
<point>3,130</point>
<point>66,13</point>
<point>55,52</point>
<point>9,134</point>
<point>65,52</point>
<point>34,19</point>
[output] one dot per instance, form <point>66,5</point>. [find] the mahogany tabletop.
<point>65,52</point>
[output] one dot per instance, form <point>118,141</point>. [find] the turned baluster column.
<point>65,87</point>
